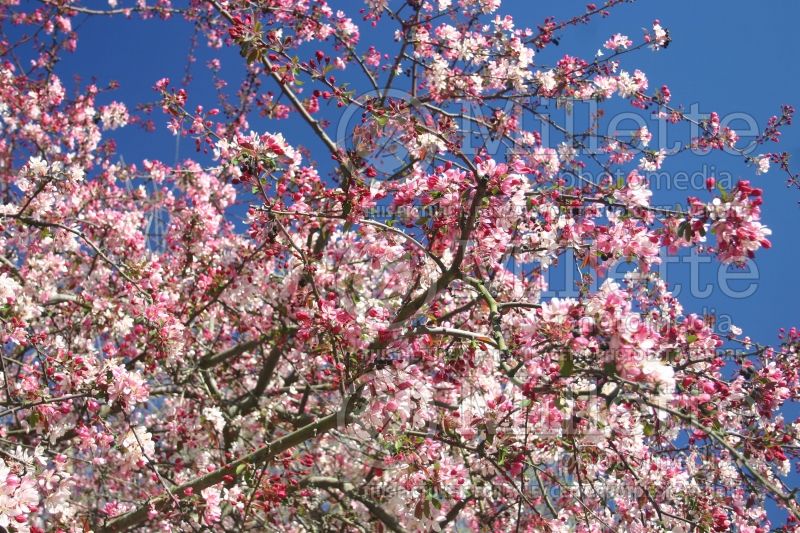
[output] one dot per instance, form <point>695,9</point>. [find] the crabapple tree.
<point>353,332</point>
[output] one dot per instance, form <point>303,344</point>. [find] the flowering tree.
<point>370,349</point>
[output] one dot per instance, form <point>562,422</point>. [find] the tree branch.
<point>265,453</point>
<point>347,488</point>
<point>212,360</point>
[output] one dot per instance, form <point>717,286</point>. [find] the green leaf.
<point>567,366</point>
<point>682,227</point>
<point>686,229</point>
<point>722,192</point>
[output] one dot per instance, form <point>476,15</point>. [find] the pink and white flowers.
<point>618,42</point>
<point>335,308</point>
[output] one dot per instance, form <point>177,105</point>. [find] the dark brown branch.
<point>264,377</point>
<point>213,360</point>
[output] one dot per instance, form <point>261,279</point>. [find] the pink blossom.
<point>212,511</point>
<point>127,388</point>
<point>618,42</point>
